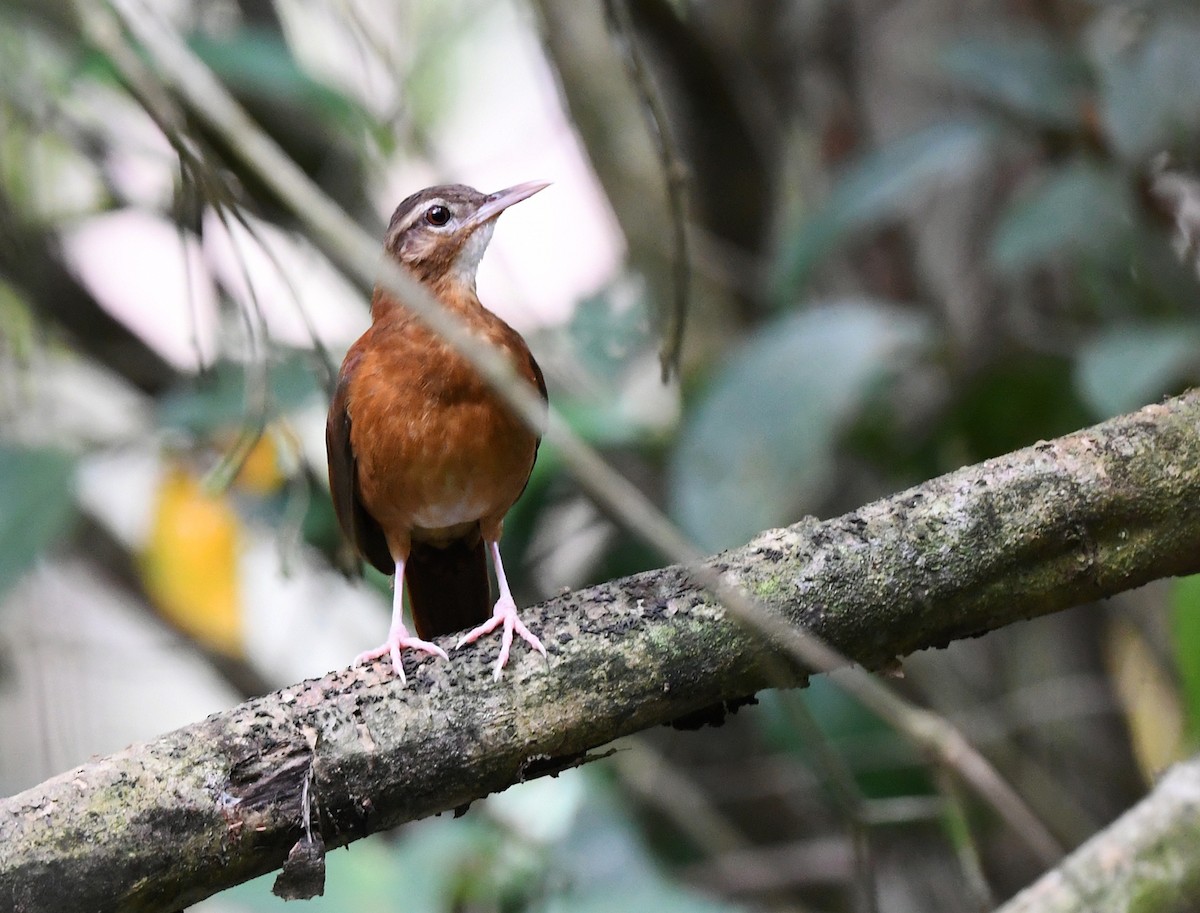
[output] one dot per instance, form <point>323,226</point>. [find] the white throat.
<point>467,261</point>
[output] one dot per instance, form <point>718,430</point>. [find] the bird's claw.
<point>398,640</point>
<point>504,614</point>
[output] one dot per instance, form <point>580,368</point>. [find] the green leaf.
<point>1185,641</point>
<point>1150,83</point>
<point>878,187</point>
<point>1077,208</point>
<point>610,342</point>
<point>883,183</point>
<point>609,329</point>
<point>258,62</point>
<point>760,444</point>
<point>37,506</point>
<point>1130,365</point>
<point>1027,74</point>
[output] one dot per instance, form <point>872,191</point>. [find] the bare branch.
<point>675,177</point>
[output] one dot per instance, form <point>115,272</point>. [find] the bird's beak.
<point>499,201</point>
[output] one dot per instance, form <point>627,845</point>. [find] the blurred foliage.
<point>1029,75</point>
<point>1077,210</point>
<point>1150,699</point>
<point>1185,640</point>
<point>226,393</point>
<point>257,61</point>
<point>878,187</point>
<point>1150,82</point>
<point>1148,359</point>
<point>953,242</point>
<point>1018,400</point>
<point>37,506</point>
<point>190,562</point>
<point>883,764</point>
<point>762,440</point>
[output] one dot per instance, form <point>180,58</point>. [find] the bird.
<point>425,457</point>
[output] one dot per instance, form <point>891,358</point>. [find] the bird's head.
<point>440,233</point>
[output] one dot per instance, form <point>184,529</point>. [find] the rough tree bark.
<point>164,824</point>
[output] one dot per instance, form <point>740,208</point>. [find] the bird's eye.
<point>437,215</point>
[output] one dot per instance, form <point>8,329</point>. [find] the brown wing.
<point>537,376</point>
<point>540,380</point>
<point>357,523</point>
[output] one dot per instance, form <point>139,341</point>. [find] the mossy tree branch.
<point>164,824</point>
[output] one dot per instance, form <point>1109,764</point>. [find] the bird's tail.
<point>448,586</point>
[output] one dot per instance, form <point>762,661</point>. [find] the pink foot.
<point>398,639</point>
<point>505,614</point>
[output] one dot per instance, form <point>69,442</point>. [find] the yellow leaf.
<point>190,562</point>
<point>260,473</point>
<point>1149,698</point>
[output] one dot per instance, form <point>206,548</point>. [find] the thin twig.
<point>958,829</point>
<point>932,734</point>
<point>347,243</point>
<point>675,174</point>
<point>289,456</point>
<point>185,196</point>
<point>672,793</point>
<point>325,364</point>
<point>328,369</point>
<point>840,782</point>
<point>257,381</point>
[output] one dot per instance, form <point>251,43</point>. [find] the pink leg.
<point>505,613</point>
<point>398,636</point>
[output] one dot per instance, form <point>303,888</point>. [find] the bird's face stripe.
<point>409,218</point>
